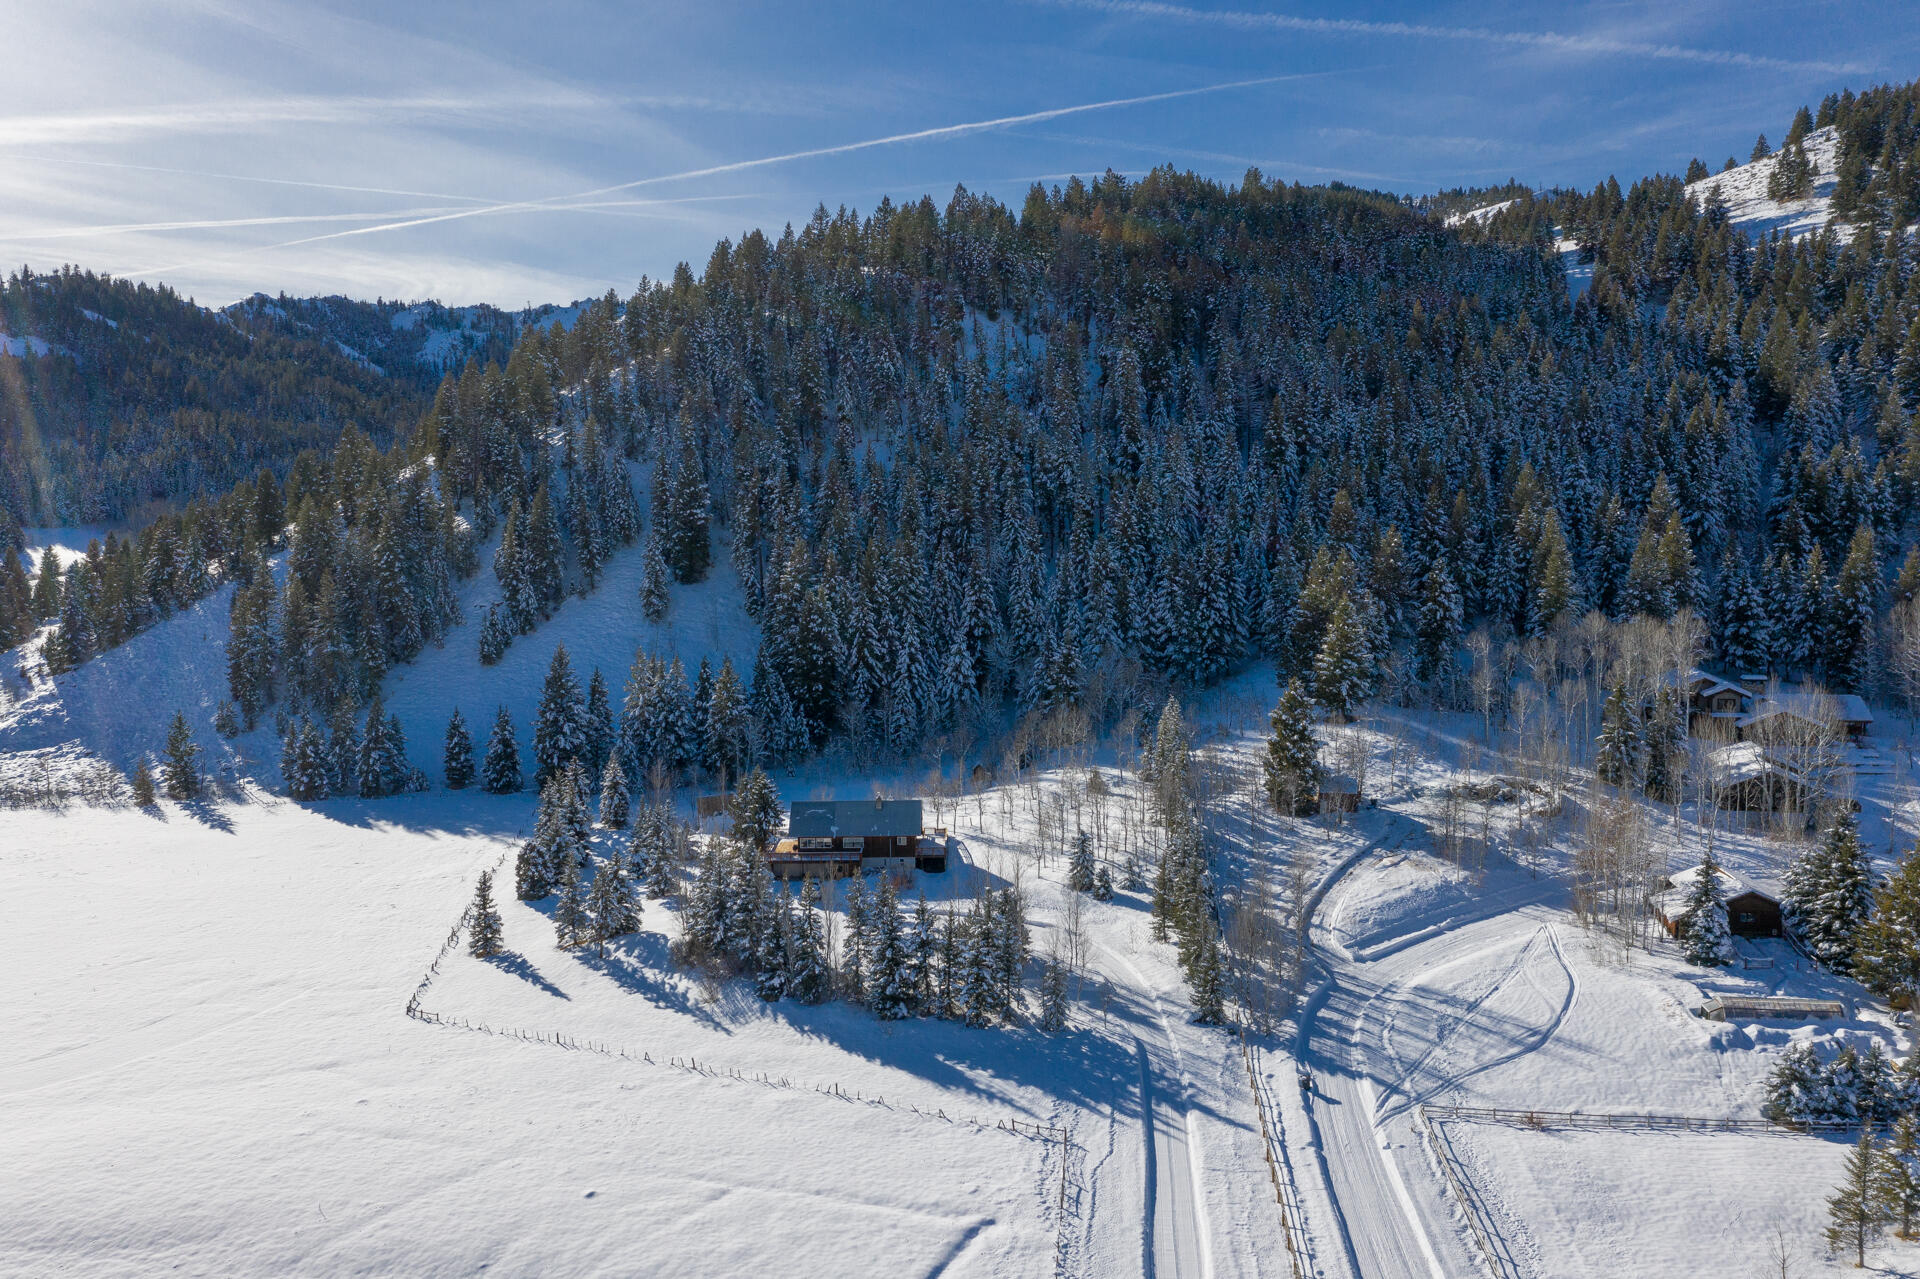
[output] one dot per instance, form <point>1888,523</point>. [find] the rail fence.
<point>1644,1122</point>
<point>1056,1134</point>
<point>1280,1173</point>
<point>1500,1263</point>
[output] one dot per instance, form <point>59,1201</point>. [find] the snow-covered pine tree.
<point>1617,761</point>
<point>496,635</point>
<point>923,945</point>
<point>854,941</point>
<point>1292,761</point>
<point>1704,938</point>
<point>977,1000</point>
<point>530,882</point>
<point>484,929</point>
<point>1740,628</point>
<point>572,921</point>
<point>1792,1086</point>
<point>807,974</point>
<point>773,948</point>
<point>614,794</point>
<point>1900,1174</point>
<point>889,980</point>
<point>376,765</point>
<point>1080,864</point>
<point>343,752</point>
<point>180,766</point>
<point>1053,994</point>
<point>1007,918</point>
<point>1437,625</point>
<point>1829,893</point>
<point>457,759</point>
<point>663,863</point>
<point>1208,981</point>
<point>1342,669</point>
<point>1665,743</point>
<point>654,599</point>
<point>684,539</point>
<point>612,903</point>
<point>725,720</point>
<point>1102,885</point>
<point>599,725</point>
<point>560,723</point>
<point>1887,954</point>
<point>755,810</point>
<point>500,770</point>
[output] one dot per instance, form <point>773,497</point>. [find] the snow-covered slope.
<point>1745,191</point>
<point>120,703</point>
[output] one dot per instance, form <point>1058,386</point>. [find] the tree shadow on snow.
<point>209,814</point>
<point>520,966</point>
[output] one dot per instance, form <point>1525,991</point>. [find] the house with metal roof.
<point>830,837</point>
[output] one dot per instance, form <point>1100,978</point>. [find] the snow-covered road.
<point>1378,1041</point>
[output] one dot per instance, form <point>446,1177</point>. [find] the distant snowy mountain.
<point>1745,191</point>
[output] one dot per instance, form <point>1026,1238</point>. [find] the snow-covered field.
<point>207,1069</point>
<point>208,1066</point>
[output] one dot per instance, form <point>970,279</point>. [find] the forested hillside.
<point>971,461</point>
<point>123,400</point>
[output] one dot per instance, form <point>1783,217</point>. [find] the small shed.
<point>1339,793</point>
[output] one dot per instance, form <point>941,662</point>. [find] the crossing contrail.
<point>811,153</point>
<point>1549,40</point>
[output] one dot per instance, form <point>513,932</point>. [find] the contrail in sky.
<point>1551,40</point>
<point>843,148</point>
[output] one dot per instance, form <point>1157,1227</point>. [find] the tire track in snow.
<point>1531,1044</point>
<point>1400,991</point>
<point>1174,1240</point>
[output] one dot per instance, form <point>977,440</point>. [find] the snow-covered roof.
<point>855,818</point>
<point>1744,761</point>
<point>1706,683</point>
<point>1848,708</point>
<point>1674,900</point>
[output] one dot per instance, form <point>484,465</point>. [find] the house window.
<point>1746,917</point>
<point>816,844</point>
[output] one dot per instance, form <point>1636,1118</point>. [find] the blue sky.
<point>543,152</point>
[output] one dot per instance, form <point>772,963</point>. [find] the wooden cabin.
<point>1750,912</point>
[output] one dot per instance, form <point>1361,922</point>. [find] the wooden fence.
<point>1498,1263</point>
<point>1641,1122</point>
<point>1280,1173</point>
<point>1056,1134</point>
